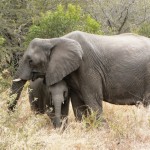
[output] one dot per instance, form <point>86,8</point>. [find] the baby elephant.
<point>53,100</point>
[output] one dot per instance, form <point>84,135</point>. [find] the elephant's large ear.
<point>65,58</point>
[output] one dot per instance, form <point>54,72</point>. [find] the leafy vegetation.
<point>144,30</point>
<point>26,19</point>
<point>62,21</point>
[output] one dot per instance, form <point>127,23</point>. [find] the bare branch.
<point>124,21</point>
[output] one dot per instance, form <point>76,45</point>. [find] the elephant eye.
<point>30,62</point>
<point>65,94</point>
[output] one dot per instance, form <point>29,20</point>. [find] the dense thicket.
<point>22,20</point>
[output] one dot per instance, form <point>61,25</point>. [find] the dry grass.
<point>126,128</point>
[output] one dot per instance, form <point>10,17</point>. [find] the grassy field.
<point>126,128</point>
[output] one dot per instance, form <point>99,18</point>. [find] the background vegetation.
<point>22,20</point>
<point>126,127</point>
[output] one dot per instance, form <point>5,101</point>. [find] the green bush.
<point>144,30</point>
<point>62,21</point>
<point>2,40</point>
<point>2,52</point>
<point>5,56</point>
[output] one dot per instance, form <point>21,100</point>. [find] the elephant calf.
<point>53,100</point>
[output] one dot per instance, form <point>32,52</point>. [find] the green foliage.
<point>2,40</point>
<point>13,26</point>
<point>4,80</point>
<point>2,52</point>
<point>61,21</point>
<point>144,30</point>
<point>92,25</point>
<point>50,20</point>
<point>16,18</point>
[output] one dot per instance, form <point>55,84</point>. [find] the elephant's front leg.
<point>92,93</point>
<point>79,107</point>
<point>94,103</point>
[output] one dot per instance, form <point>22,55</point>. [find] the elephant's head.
<point>52,59</point>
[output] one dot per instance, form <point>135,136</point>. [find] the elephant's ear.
<point>65,58</point>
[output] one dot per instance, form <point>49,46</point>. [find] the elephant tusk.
<point>17,80</point>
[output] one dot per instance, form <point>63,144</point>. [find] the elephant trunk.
<point>57,105</point>
<point>16,87</point>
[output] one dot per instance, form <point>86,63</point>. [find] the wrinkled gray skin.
<point>115,69</point>
<point>53,100</point>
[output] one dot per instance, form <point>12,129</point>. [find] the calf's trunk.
<point>57,118</point>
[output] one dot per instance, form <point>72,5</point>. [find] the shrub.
<point>2,40</point>
<point>144,30</point>
<point>2,52</point>
<point>62,21</point>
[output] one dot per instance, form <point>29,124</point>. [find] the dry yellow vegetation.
<point>126,128</point>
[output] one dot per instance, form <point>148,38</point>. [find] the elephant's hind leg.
<point>146,98</point>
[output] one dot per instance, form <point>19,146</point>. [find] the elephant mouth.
<point>36,75</point>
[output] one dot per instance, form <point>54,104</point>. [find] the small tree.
<point>61,21</point>
<point>144,30</point>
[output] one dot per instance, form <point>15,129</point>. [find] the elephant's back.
<point>104,44</point>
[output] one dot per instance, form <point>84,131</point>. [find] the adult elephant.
<point>115,69</point>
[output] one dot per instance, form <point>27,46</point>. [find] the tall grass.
<point>125,128</point>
